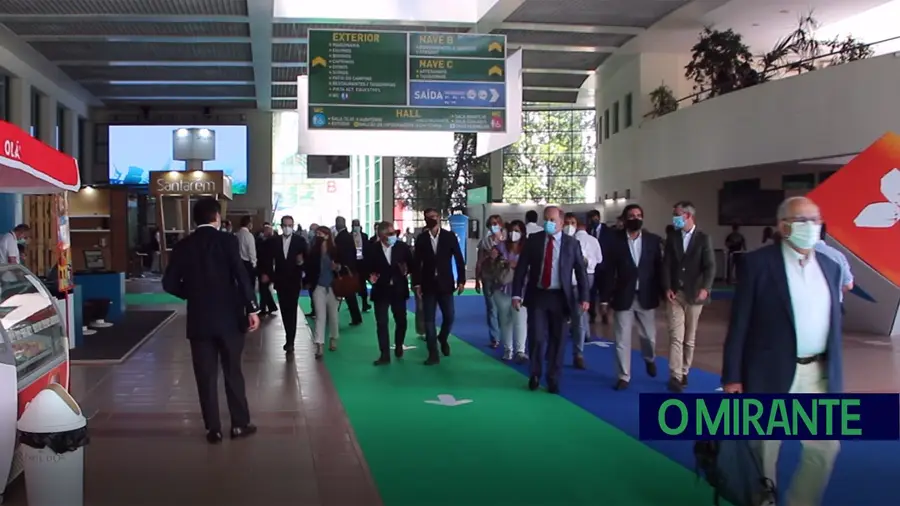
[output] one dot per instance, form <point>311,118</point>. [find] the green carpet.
<point>151,299</point>
<point>509,446</point>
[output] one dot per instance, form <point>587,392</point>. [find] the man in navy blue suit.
<point>549,261</point>
<point>784,336</point>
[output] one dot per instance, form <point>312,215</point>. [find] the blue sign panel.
<point>457,94</point>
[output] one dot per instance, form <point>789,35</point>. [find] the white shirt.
<point>532,228</point>
<point>810,302</point>
<point>434,239</point>
<point>686,237</point>
<point>636,246</point>
<point>590,250</point>
<point>286,243</point>
<point>387,252</point>
<point>9,248</point>
<point>247,245</point>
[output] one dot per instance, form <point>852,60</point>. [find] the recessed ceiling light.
<point>755,24</point>
<point>784,11</point>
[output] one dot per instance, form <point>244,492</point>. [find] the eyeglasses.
<point>804,219</point>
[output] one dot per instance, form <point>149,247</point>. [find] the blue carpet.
<point>865,474</point>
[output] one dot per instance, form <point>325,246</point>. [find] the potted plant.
<point>662,101</point>
<point>848,49</point>
<point>720,63</point>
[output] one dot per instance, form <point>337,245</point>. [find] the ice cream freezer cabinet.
<point>33,354</point>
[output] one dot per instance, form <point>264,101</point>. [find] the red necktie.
<point>548,263</point>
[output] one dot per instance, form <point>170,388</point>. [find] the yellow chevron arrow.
<point>495,71</point>
<point>318,61</point>
<point>495,46</point>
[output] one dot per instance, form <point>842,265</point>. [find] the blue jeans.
<point>492,322</point>
<point>580,326</point>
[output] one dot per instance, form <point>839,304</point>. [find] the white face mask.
<point>287,230</point>
<point>515,236</point>
<point>569,230</point>
<point>805,235</point>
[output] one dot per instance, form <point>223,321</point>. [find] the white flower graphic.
<point>883,214</point>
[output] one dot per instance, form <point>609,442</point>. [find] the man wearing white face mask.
<point>784,336</point>
<point>484,285</point>
<point>590,249</point>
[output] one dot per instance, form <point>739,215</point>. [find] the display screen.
<point>136,150</point>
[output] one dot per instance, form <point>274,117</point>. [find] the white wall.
<point>259,147</point>
<point>835,111</point>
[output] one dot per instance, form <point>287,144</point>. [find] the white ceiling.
<point>237,53</point>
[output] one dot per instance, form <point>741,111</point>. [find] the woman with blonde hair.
<point>500,267</point>
<point>321,271</point>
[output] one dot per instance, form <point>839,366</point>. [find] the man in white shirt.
<point>531,226</point>
<point>9,244</point>
<point>247,246</point>
<point>591,251</point>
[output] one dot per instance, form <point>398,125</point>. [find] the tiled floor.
<point>147,436</point>
<point>148,447</point>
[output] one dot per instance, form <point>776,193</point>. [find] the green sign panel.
<point>367,80</point>
<point>477,196</point>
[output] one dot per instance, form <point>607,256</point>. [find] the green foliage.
<point>554,158</point>
<point>720,63</point>
<point>662,101</point>
<point>441,183</point>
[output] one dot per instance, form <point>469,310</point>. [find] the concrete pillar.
<point>69,133</point>
<point>387,189</point>
<point>11,211</point>
<point>47,122</point>
<point>86,162</point>
<point>496,166</point>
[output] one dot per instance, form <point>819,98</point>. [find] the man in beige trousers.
<point>689,268</point>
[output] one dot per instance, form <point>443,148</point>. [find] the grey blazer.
<point>692,270</point>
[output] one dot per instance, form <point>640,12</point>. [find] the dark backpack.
<point>733,470</point>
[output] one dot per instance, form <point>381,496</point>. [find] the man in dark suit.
<point>549,261</point>
<point>689,269</point>
<point>434,283</point>
<point>784,335</point>
<point>349,252</point>
<point>633,288</point>
<point>266,301</point>
<point>386,265</point>
<point>282,265</point>
<point>604,235</point>
<point>362,238</point>
<point>205,269</point>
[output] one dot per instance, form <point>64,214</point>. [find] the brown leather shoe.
<point>579,362</point>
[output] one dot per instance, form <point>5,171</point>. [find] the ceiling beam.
<point>120,82</point>
<point>560,48</point>
<point>194,98</point>
<point>117,18</point>
<point>152,63</point>
<point>494,17</point>
<point>571,72</point>
<point>405,25</point>
<point>552,27</point>
<point>553,89</point>
<point>158,39</point>
<point>261,13</point>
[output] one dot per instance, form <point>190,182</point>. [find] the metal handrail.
<point>791,65</point>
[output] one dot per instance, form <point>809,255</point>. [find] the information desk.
<point>33,353</point>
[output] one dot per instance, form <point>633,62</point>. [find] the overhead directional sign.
<point>366,80</point>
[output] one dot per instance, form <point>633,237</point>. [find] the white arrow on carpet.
<point>449,400</point>
<point>720,389</point>
<point>405,347</point>
<point>877,343</point>
<point>495,96</point>
<point>600,344</point>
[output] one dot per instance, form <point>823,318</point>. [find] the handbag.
<point>345,284</point>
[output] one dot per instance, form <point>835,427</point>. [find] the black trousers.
<point>547,310</point>
<point>397,307</point>
<point>430,304</point>
<point>287,302</point>
<point>206,355</point>
<point>364,294</point>
<point>353,307</point>
<point>266,301</point>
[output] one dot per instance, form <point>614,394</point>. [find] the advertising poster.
<point>63,244</point>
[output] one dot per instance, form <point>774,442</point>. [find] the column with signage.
<point>367,80</point>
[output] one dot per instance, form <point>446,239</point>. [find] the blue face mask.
<point>550,227</point>
<point>495,229</point>
<point>678,222</point>
<point>392,240</point>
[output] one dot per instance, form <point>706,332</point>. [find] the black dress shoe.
<point>553,387</point>
<point>382,361</point>
<point>621,385</point>
<point>675,386</point>
<point>534,383</point>
<point>213,437</point>
<point>289,348</point>
<point>433,360</point>
<point>398,351</point>
<point>245,431</point>
<point>445,348</point>
<point>651,369</point>
<point>356,323</point>
<point>684,381</point>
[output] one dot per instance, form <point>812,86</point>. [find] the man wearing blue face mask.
<point>9,244</point>
<point>483,286</point>
<point>549,263</point>
<point>784,336</point>
<point>688,271</point>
